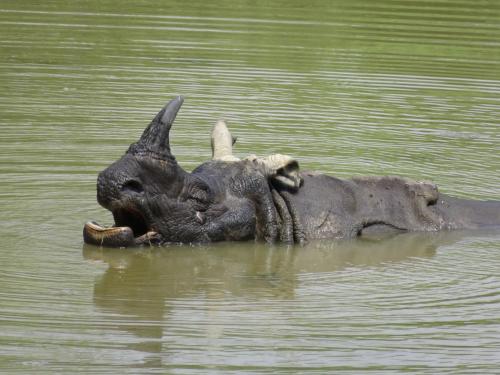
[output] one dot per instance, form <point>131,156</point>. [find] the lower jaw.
<point>95,234</point>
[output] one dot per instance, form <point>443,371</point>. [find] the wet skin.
<point>154,200</point>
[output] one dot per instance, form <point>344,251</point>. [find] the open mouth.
<point>131,218</point>
<point>131,228</point>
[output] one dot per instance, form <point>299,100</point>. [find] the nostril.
<point>132,186</point>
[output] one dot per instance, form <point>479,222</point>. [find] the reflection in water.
<point>228,304</point>
<point>144,284</point>
<point>347,87</point>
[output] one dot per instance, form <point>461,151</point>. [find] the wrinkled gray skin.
<point>147,191</point>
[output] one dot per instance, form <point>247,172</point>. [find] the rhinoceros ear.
<point>155,138</point>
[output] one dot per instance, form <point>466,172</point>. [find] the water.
<point>348,88</point>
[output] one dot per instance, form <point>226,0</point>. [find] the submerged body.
<point>328,207</point>
<point>154,200</point>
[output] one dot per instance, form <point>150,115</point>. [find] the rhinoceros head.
<point>147,169</point>
<point>153,199</point>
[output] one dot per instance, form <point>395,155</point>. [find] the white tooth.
<point>200,217</point>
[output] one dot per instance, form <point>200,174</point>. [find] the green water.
<point>349,88</point>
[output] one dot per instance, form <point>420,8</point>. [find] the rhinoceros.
<point>154,200</point>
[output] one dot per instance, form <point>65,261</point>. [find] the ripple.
<point>349,89</point>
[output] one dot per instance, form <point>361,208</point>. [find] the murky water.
<point>347,87</point>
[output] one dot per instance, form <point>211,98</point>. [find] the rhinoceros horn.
<point>155,138</point>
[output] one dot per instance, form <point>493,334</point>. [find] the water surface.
<point>346,87</point>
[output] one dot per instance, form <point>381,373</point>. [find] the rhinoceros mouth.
<point>131,228</point>
<point>131,218</point>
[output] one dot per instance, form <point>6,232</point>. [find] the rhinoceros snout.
<point>107,191</point>
<point>119,188</point>
<point>113,186</point>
